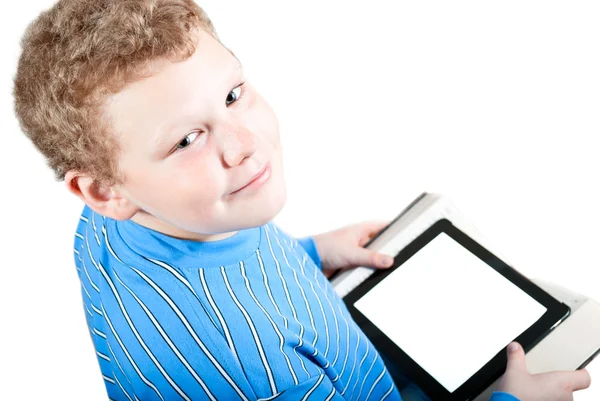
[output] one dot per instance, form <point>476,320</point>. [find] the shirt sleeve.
<point>317,388</point>
<point>500,396</point>
<point>308,243</point>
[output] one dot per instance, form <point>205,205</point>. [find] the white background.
<point>494,104</point>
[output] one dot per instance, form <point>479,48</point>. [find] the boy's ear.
<point>102,199</point>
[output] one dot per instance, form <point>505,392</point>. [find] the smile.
<point>258,180</point>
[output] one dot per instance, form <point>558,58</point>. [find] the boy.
<point>190,292</point>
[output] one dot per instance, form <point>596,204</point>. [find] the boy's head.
<point>146,115</point>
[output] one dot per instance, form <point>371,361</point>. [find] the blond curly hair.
<point>80,51</point>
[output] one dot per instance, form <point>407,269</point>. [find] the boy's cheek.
<point>263,119</point>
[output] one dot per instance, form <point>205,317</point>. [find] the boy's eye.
<point>233,95</point>
<point>189,138</point>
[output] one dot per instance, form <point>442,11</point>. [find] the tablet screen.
<point>449,311</point>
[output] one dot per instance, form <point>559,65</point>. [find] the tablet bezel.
<point>490,372</point>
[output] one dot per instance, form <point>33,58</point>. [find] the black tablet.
<point>444,313</point>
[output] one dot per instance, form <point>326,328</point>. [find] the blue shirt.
<point>250,317</point>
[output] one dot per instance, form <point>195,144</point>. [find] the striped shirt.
<point>250,317</point>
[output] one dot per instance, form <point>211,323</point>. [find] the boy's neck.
<point>149,221</point>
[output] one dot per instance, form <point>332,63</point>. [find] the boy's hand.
<point>553,386</point>
<point>343,248</point>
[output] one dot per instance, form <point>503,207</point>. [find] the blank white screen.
<point>449,311</point>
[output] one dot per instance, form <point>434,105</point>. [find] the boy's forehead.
<point>208,52</point>
<point>210,63</point>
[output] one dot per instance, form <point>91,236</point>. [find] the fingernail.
<point>513,347</point>
<point>387,261</point>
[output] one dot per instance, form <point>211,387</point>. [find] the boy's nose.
<point>238,143</point>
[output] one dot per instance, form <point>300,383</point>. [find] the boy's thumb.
<point>368,258</point>
<point>516,358</point>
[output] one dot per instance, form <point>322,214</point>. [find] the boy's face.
<point>200,149</point>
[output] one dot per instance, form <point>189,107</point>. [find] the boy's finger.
<point>381,261</point>
<point>516,358</point>
<point>385,261</point>
<point>579,380</point>
<point>367,258</point>
<point>371,229</point>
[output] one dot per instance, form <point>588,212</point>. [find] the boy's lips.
<point>257,180</point>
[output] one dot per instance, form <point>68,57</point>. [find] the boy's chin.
<point>265,210</point>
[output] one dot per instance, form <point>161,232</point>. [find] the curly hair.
<point>78,52</point>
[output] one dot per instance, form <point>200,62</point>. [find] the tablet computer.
<point>444,313</point>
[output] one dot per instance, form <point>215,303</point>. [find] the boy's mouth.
<point>257,180</point>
